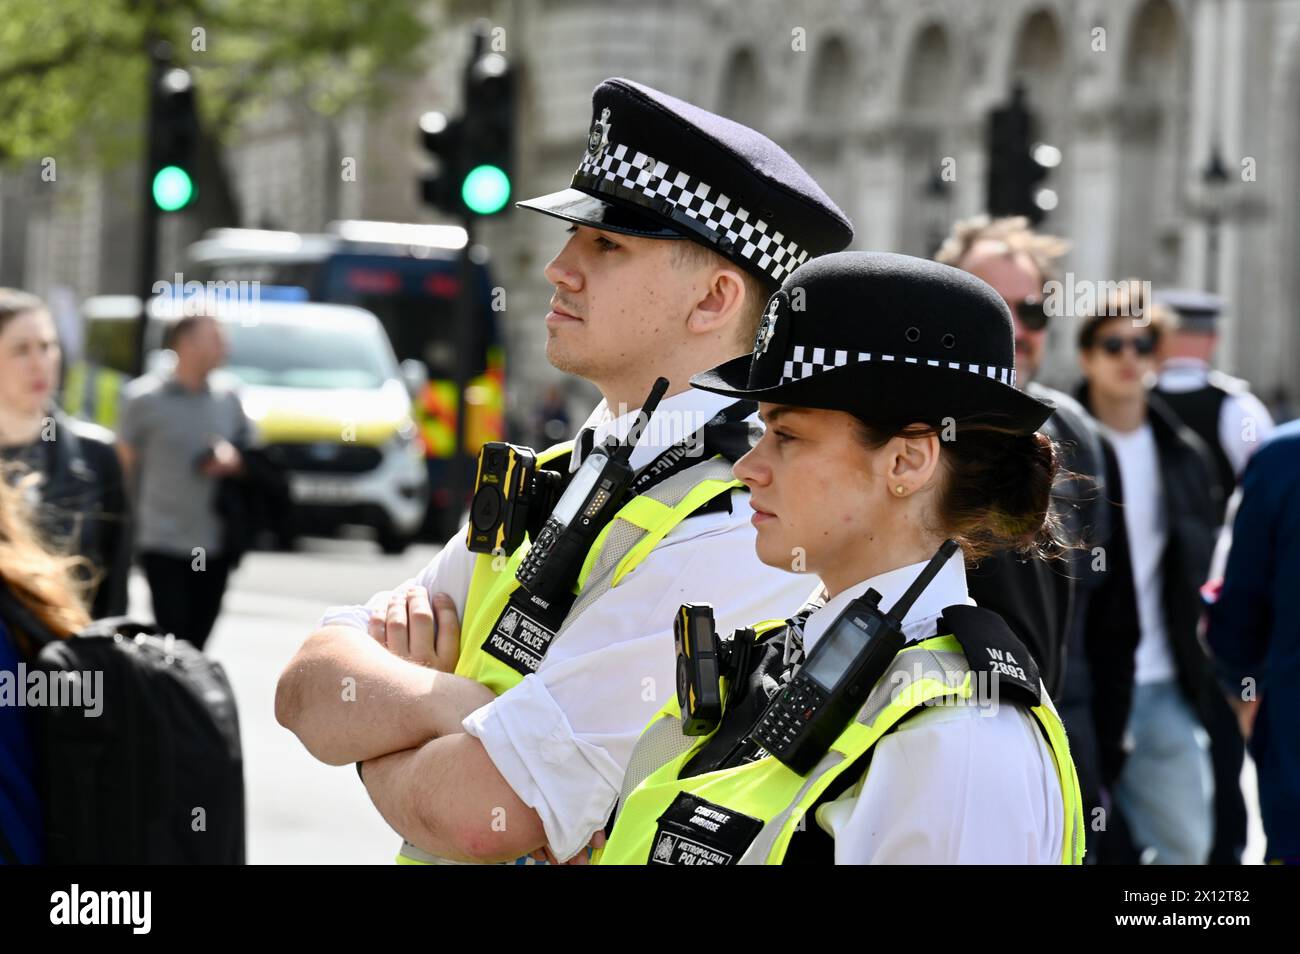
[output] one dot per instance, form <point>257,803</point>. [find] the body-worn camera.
<point>509,491</point>
<point>805,718</point>
<point>703,660</point>
<point>594,495</point>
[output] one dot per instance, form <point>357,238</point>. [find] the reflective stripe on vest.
<point>620,547</point>
<point>90,392</point>
<point>933,669</point>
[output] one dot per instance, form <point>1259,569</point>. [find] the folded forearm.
<point>349,699</point>
<point>447,798</point>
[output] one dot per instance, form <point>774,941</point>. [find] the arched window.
<point>742,96</point>
<point>828,88</point>
<point>926,126</point>
<point>1038,64</point>
<point>1151,139</point>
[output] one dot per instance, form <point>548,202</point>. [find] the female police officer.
<point>893,429</point>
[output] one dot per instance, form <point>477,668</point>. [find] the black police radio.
<point>804,719</point>
<point>593,496</point>
<point>510,492</point>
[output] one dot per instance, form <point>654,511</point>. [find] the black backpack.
<point>157,776</point>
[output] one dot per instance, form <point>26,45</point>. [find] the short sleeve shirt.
<point>170,427</point>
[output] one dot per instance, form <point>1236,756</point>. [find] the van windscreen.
<point>279,355</point>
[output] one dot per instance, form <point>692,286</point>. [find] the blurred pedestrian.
<point>67,466</point>
<point>50,585</point>
<point>1165,790</point>
<point>1254,633</point>
<point>1218,407</point>
<point>1233,423</point>
<point>1080,617</point>
<point>181,434</point>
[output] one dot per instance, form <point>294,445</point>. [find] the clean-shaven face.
<point>1113,365</point>
<point>814,487</point>
<point>29,361</point>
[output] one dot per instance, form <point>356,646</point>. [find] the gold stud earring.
<point>899,489</point>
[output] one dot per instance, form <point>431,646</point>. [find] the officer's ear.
<point>724,297</point>
<point>911,461</point>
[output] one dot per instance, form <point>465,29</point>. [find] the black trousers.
<point>1228,754</point>
<point>186,601</point>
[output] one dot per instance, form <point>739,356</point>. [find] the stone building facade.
<point>885,101</point>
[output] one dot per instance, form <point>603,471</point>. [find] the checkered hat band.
<point>805,361</point>
<point>638,178</point>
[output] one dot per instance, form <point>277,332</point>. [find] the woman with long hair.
<point>68,467</point>
<point>50,586</point>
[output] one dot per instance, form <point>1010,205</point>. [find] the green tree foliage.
<point>72,72</point>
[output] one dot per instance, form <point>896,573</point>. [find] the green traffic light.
<point>172,188</point>
<point>486,190</point>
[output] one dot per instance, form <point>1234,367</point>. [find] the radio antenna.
<point>624,450</point>
<point>899,609</point>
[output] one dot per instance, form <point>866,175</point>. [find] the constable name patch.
<point>695,832</point>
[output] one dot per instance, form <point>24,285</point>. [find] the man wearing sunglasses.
<point>1165,790</point>
<point>1077,615</point>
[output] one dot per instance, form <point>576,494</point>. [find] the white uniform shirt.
<point>1144,520</point>
<point>957,784</point>
<point>563,736</point>
<point>1244,422</point>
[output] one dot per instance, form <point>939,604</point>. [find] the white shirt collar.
<point>1184,374</point>
<point>675,419</point>
<point>946,589</point>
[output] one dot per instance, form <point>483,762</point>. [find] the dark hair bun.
<point>998,491</point>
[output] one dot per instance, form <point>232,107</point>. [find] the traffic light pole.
<point>148,260</point>
<point>466,322</point>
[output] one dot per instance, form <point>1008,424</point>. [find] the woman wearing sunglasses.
<point>896,448</point>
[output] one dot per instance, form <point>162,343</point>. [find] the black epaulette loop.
<point>991,647</point>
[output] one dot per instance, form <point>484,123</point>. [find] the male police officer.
<point>1218,407</point>
<point>682,223</point>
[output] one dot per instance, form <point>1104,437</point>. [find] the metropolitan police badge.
<point>598,139</point>
<point>767,327</point>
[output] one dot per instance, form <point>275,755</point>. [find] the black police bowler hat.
<point>885,335</point>
<point>660,167</point>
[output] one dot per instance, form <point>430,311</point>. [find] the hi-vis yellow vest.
<point>620,547</point>
<point>751,811</point>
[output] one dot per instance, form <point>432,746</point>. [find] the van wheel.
<point>392,542</point>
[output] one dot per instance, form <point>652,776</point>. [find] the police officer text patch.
<point>520,638</point>
<point>695,832</point>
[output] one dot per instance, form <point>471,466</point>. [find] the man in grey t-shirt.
<point>180,434</point>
